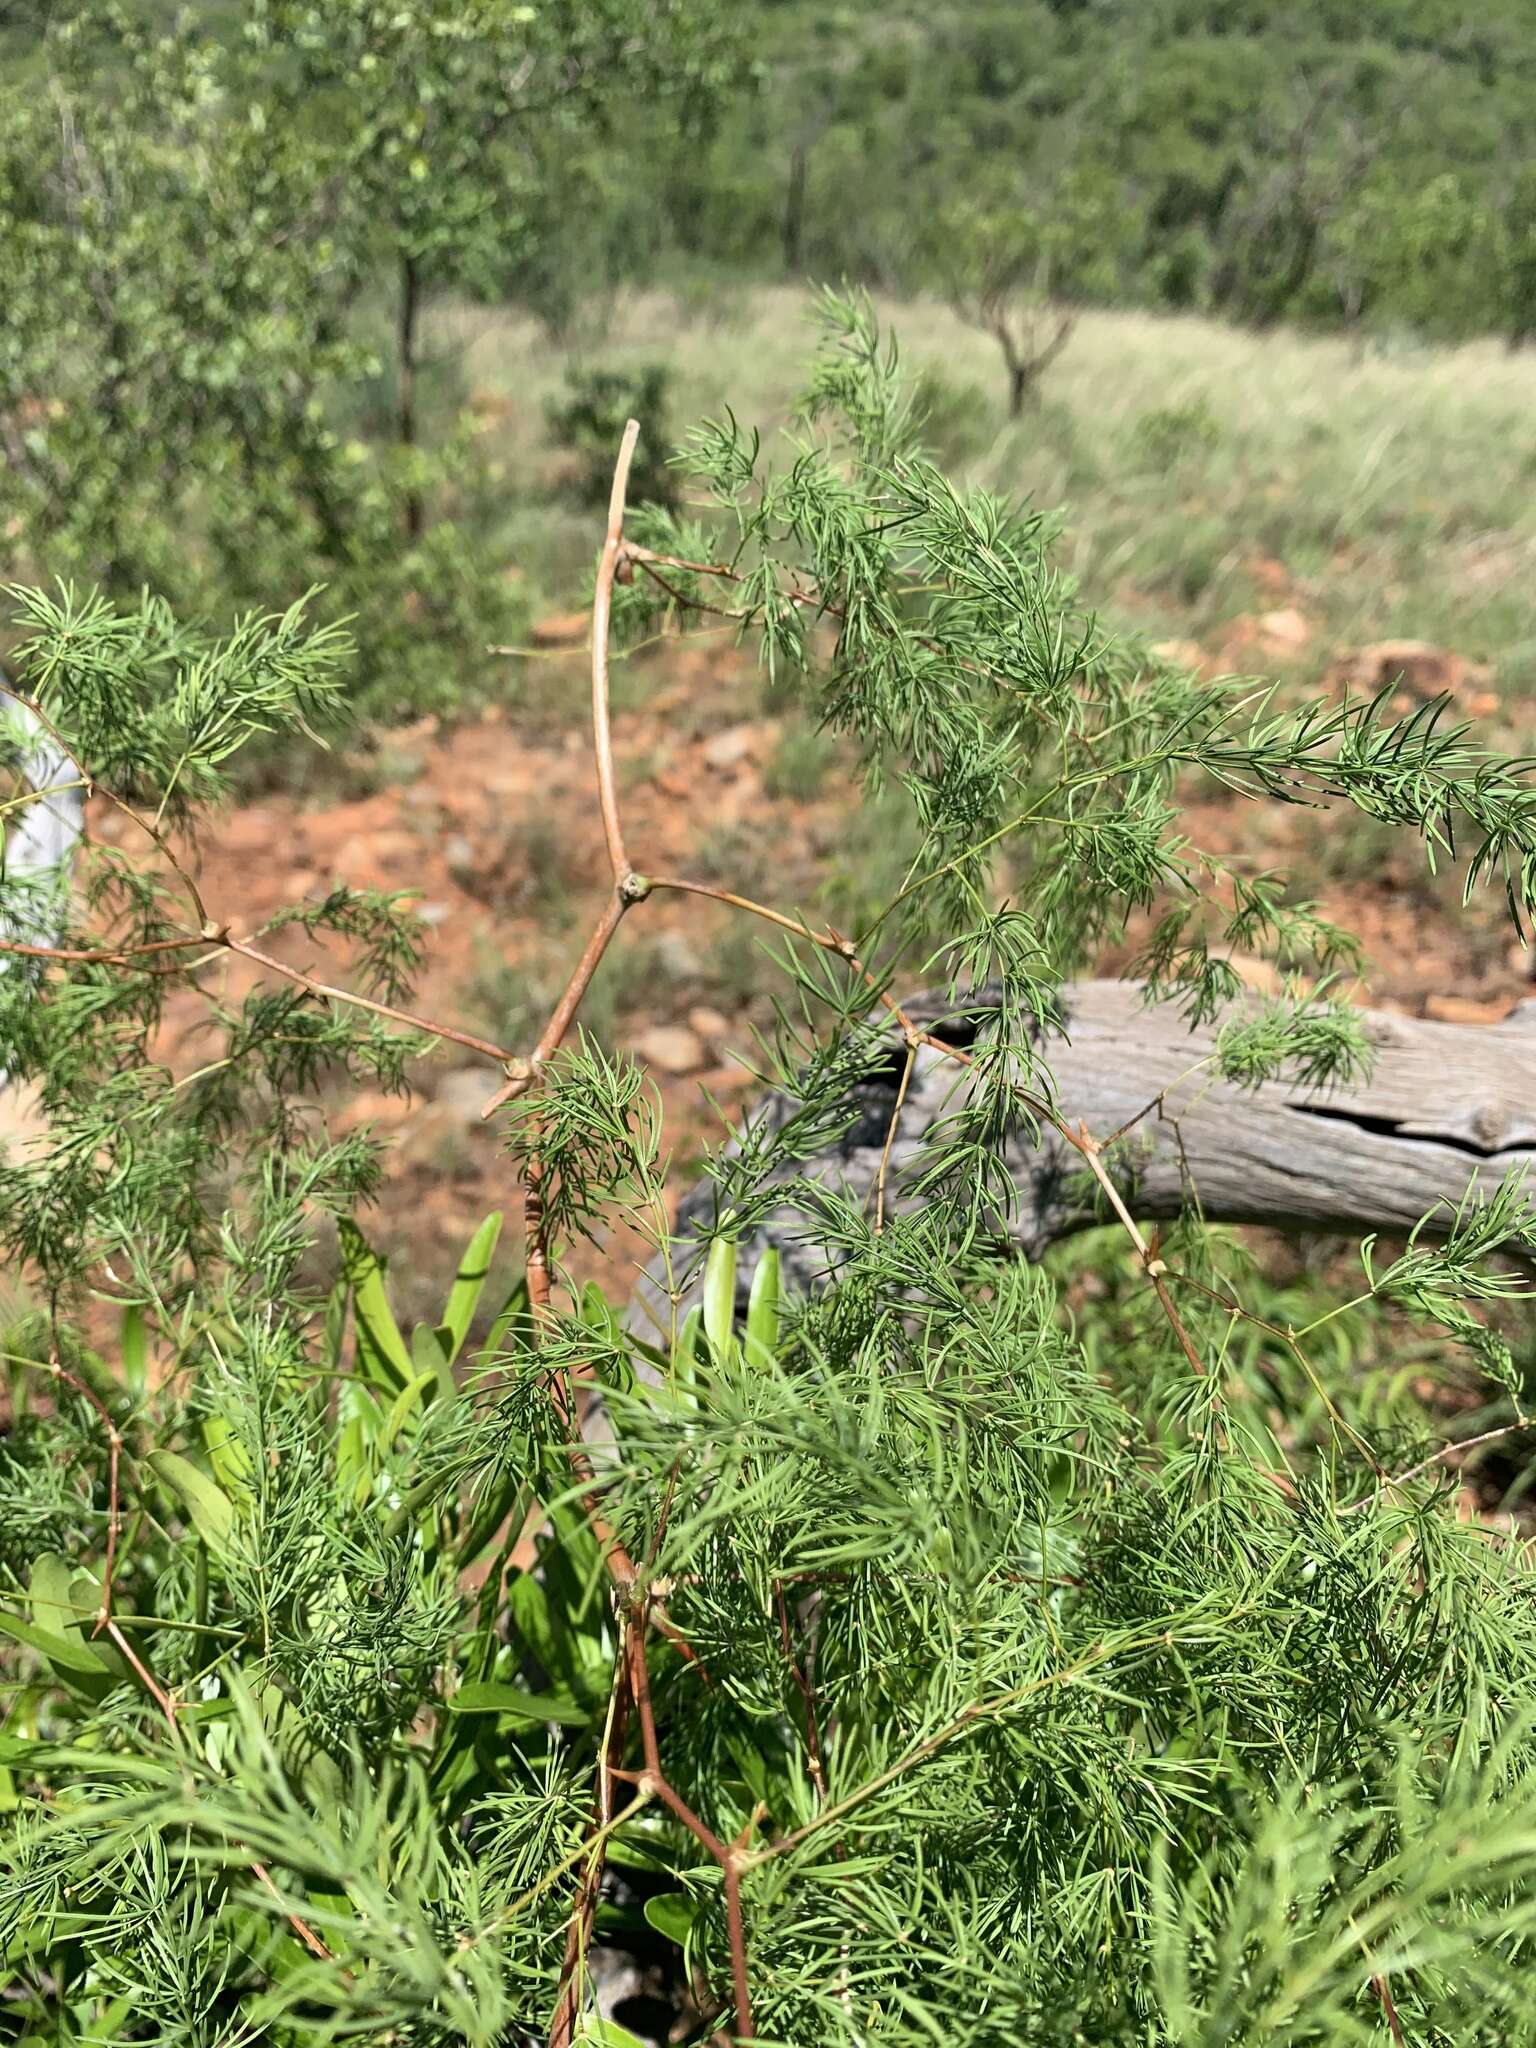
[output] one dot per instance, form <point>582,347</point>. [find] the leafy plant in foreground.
<point>979,1650</point>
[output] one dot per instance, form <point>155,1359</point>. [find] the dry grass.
<point>1388,495</point>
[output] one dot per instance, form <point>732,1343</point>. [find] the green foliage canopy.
<point>1059,1669</point>
<point>219,250</point>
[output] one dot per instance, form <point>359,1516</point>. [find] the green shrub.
<point>976,1649</point>
<point>1168,435</point>
<point>588,420</point>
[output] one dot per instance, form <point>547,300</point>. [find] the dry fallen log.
<point>1446,1105</point>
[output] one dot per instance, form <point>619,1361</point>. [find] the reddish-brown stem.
<point>300,1926</point>
<point>979,1710</point>
<point>828,940</point>
<point>728,1857</point>
<point>103,953</point>
<point>1090,1149</point>
<point>536,1262</point>
<point>342,995</point>
<point>649,555</point>
<point>630,888</point>
<point>678,597</point>
<point>104,1622</point>
<point>578,1937</point>
<point>1383,1991</point>
<point>651,562</point>
<point>146,1678</point>
<point>219,937</point>
<point>736,1936</point>
<point>525,1072</point>
<point>109,1562</point>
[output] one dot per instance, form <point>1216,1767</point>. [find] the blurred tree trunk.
<point>405,420</point>
<point>793,231</point>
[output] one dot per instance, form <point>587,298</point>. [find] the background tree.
<point>1517,240</point>
<point>1417,251</point>
<point>209,235</point>
<point>434,127</point>
<point>1239,136</point>
<point>1018,253</point>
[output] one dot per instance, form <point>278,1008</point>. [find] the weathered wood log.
<point>1446,1105</point>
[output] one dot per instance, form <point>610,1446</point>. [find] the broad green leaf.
<point>572,1560</point>
<point>51,1585</point>
<point>598,1313</point>
<point>491,1696</point>
<point>632,1852</point>
<point>335,1326</point>
<point>513,1325</point>
<point>529,1616</point>
<point>597,2032</point>
<point>763,1310</point>
<point>109,1390</point>
<point>574,1649</point>
<point>101,1763</point>
<point>381,1348</point>
<point>685,1352</point>
<point>720,1295</point>
<point>429,1354</point>
<point>493,1509</point>
<point>405,1401</point>
<point>109,2023</point>
<point>208,1506</point>
<point>64,1653</point>
<point>230,1459</point>
<point>357,1417</point>
<point>675,1915</point>
<point>474,1270</point>
<point>43,1934</point>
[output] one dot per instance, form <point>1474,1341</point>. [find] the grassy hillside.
<point>1207,473</point>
